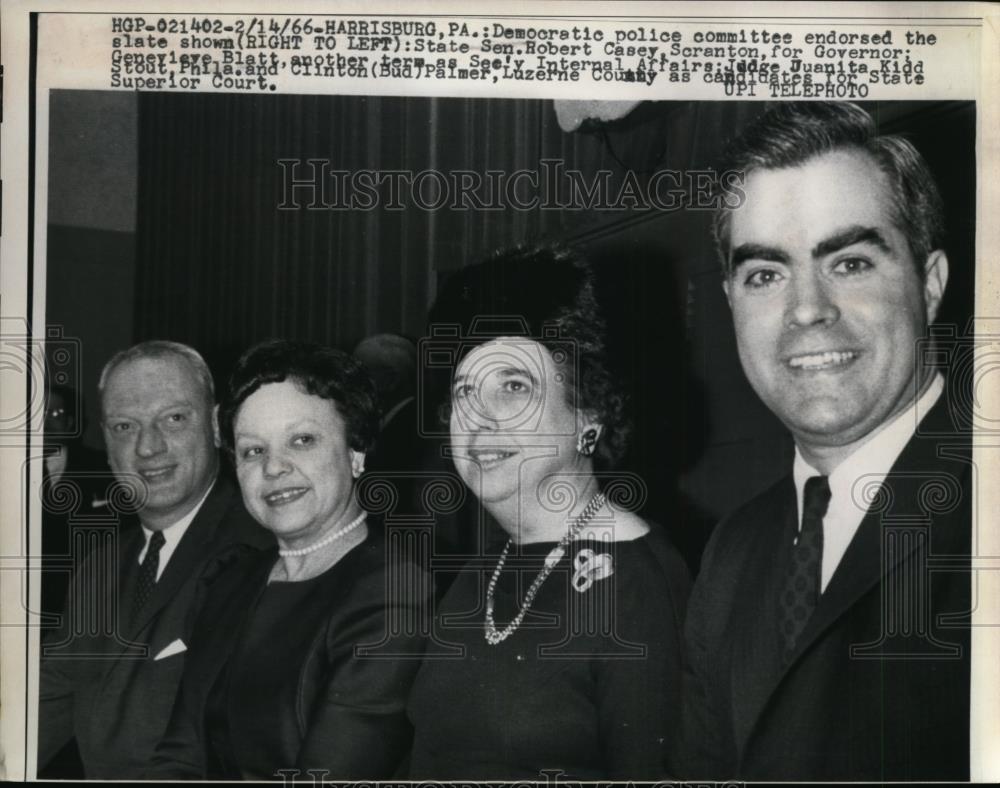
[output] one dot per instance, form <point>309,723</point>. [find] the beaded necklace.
<point>495,636</point>
<point>328,539</point>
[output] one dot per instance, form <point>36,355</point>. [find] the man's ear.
<point>935,282</point>
<point>725,289</point>
<point>216,435</point>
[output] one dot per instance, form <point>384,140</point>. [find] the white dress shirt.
<point>172,535</point>
<point>854,481</point>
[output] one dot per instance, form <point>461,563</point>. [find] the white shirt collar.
<point>854,480</point>
<point>173,534</point>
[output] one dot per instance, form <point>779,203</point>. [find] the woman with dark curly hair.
<point>288,665</point>
<point>569,652</point>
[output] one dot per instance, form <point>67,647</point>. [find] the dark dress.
<point>304,675</point>
<point>588,685</point>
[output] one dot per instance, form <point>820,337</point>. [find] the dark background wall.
<point>93,144</point>
<point>210,259</point>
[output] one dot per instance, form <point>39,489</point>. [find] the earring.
<point>357,465</point>
<point>587,442</point>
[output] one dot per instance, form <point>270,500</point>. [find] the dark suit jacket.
<point>878,688</point>
<point>100,681</point>
<point>348,713</point>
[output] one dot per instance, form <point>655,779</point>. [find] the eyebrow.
<point>178,405</point>
<point>506,372</point>
<point>745,252</point>
<point>510,372</point>
<point>855,234</point>
<point>307,422</point>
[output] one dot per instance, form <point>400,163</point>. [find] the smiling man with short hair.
<point>109,681</point>
<point>818,639</point>
<point>160,430</point>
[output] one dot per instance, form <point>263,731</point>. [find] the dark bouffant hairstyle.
<point>791,133</point>
<point>545,293</point>
<point>320,371</point>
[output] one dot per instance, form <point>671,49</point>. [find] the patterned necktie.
<point>147,573</point>
<point>802,585</point>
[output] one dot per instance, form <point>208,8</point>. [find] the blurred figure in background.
<point>75,479</point>
<point>391,361</point>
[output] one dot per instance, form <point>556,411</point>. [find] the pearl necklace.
<point>327,540</point>
<point>493,635</point>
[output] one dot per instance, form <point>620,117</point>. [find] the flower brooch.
<point>589,567</point>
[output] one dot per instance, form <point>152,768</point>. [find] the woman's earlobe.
<point>357,463</point>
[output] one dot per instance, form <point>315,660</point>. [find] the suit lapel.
<point>904,502</point>
<point>232,600</point>
<point>907,499</point>
<point>756,656</point>
<point>189,553</point>
<point>128,572</point>
<point>128,568</point>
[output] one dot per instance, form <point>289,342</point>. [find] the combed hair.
<point>318,370</point>
<point>792,133</point>
<point>161,348</point>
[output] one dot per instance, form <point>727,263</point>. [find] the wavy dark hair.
<point>792,133</point>
<point>318,370</point>
<point>545,293</point>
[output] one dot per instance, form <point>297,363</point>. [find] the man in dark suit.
<point>828,632</point>
<point>110,673</point>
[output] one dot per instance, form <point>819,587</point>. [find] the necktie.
<point>802,584</point>
<point>147,573</point>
